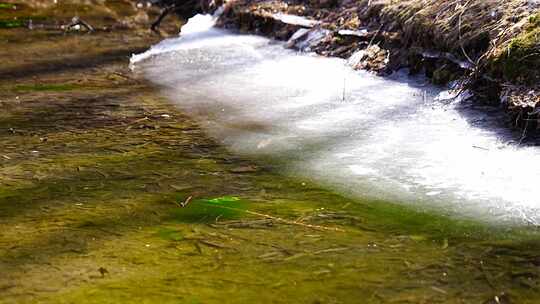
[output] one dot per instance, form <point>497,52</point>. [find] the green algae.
<point>46,87</point>
<point>7,5</point>
<point>8,24</point>
<point>210,210</point>
<point>191,259</point>
<point>170,234</point>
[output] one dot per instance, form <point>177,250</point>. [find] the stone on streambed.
<point>309,35</point>
<point>374,58</point>
<point>307,39</point>
<point>276,25</point>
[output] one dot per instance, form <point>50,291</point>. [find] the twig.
<point>487,276</point>
<point>278,219</point>
<point>344,88</point>
<point>524,133</point>
<point>329,250</point>
<point>375,36</point>
<point>78,21</point>
<point>186,202</point>
<point>293,222</point>
<point>459,33</point>
<point>481,148</point>
<point>212,244</point>
<point>139,120</point>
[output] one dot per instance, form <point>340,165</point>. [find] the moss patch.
<point>170,234</point>
<point>46,87</point>
<point>7,24</point>
<point>210,210</point>
<point>7,5</point>
<point>520,61</point>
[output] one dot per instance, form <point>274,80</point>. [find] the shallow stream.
<point>395,138</point>
<point>331,186</point>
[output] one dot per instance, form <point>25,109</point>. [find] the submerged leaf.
<point>210,210</point>
<point>170,234</point>
<point>223,200</point>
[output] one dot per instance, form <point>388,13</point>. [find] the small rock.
<point>103,271</point>
<point>503,298</point>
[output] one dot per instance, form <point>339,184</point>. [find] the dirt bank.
<point>492,47</point>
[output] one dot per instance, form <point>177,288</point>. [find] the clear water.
<point>391,138</point>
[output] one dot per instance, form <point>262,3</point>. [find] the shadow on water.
<point>91,60</point>
<point>97,108</point>
<point>78,206</point>
<point>495,120</point>
<point>491,118</point>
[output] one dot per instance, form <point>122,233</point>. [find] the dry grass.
<point>492,45</point>
<point>499,38</point>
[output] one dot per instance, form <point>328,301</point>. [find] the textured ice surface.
<point>387,138</point>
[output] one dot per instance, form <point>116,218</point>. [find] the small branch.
<point>281,220</point>
<point>278,219</point>
<point>164,13</point>
<point>459,33</point>
<point>184,203</point>
<point>375,36</point>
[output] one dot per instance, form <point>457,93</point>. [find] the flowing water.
<point>394,138</point>
<point>436,198</point>
<point>331,186</point>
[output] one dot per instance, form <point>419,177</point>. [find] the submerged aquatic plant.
<point>224,200</point>
<point>11,23</point>
<point>208,210</point>
<point>7,5</point>
<point>170,234</point>
<point>46,87</point>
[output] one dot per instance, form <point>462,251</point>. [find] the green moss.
<point>7,5</point>
<point>7,24</point>
<point>17,18</point>
<point>46,87</point>
<point>170,234</point>
<point>520,62</point>
<point>208,210</point>
<point>406,220</point>
<point>535,20</point>
<point>442,76</point>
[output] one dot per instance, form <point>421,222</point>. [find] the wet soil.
<point>109,194</point>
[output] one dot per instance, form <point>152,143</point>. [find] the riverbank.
<point>110,194</point>
<point>490,47</point>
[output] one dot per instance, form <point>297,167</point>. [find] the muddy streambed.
<point>112,193</point>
